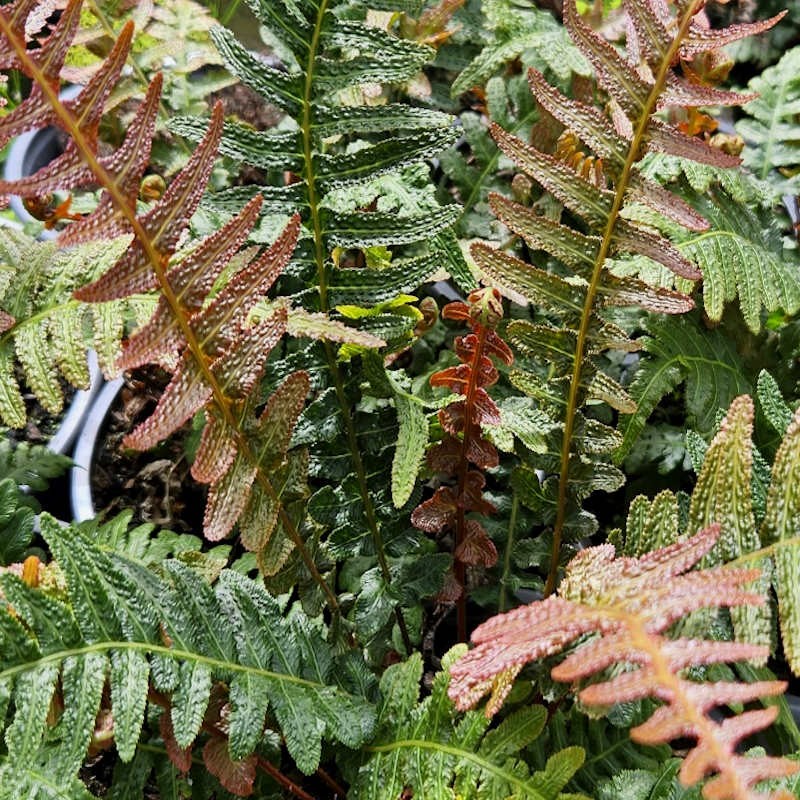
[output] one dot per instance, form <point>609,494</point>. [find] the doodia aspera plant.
<point>381,478</point>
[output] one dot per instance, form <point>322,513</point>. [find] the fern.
<point>47,333</point>
<point>743,255</point>
<point>364,201</point>
<point>770,131</point>
<point>464,451</point>
<point>606,743</point>
<point>422,747</point>
<point>223,357</point>
<point>514,31</point>
<point>632,603</point>
<point>599,196</point>
<point>121,622</point>
<point>767,536</point>
<point>678,351</point>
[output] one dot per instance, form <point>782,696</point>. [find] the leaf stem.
<point>283,780</point>
<point>322,285</point>
<point>620,190</point>
<point>459,568</point>
<point>512,525</point>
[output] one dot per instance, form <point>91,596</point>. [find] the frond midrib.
<point>621,188</point>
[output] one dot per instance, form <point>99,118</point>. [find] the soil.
<point>155,484</point>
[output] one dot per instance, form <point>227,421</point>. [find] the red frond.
<point>126,166</point>
<point>185,394</point>
<point>477,549</point>
<point>216,450</point>
<point>35,111</point>
<point>277,421</point>
<point>701,40</point>
<point>457,311</point>
<point>163,224</point>
<point>494,346</point>
<point>485,410</point>
<point>482,453</point>
<point>68,170</point>
<point>223,319</point>
<point>632,605</point>
<point>452,417</point>
<point>191,280</point>
<point>444,456</point>
<point>454,379</point>
<point>436,514</point>
<point>235,776</point>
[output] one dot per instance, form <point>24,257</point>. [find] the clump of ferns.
<point>215,353</point>
<point>464,452</point>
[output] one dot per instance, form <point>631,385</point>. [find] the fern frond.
<point>515,30</point>
<point>681,351</point>
<point>362,190</point>
<point>607,230</point>
<point>464,452</point>
<point>49,332</point>
<point>423,747</point>
<point>227,372</point>
<point>770,129</point>
<point>174,634</point>
<point>632,603</point>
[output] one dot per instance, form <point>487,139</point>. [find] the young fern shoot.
<point>463,451</point>
<point>638,87</point>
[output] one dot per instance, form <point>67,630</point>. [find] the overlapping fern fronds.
<point>373,231</point>
<point>632,603</point>
<point>215,355</point>
<point>596,189</point>
<point>331,57</point>
<point>421,747</point>
<point>111,621</point>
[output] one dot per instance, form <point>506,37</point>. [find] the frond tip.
<point>631,603</point>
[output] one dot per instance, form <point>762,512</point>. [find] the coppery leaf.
<point>632,604</point>
<point>35,111</point>
<point>476,549</point>
<point>185,394</point>
<point>222,320</point>
<point>163,224</point>
<point>235,776</point>
<point>216,450</point>
<point>68,170</point>
<point>191,280</point>
<point>437,513</point>
<point>126,166</point>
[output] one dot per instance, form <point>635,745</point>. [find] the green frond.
<point>770,129</point>
<point>680,351</point>
<point>426,746</point>
<point>51,331</point>
<point>122,621</point>
<point>338,146</point>
<point>515,31</point>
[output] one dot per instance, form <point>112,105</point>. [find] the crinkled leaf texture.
<point>117,620</point>
<point>631,604</point>
<point>596,175</point>
<point>425,748</point>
